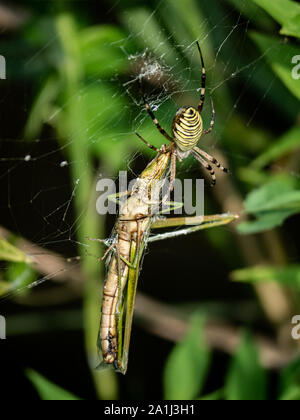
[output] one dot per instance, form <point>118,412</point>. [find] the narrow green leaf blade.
<point>188,364</point>
<point>287,276</point>
<point>42,108</point>
<point>215,396</point>
<point>259,198</point>
<point>143,17</point>
<point>246,380</point>
<point>290,382</point>
<point>292,27</point>
<point>8,252</point>
<point>102,50</point>
<point>265,222</point>
<point>281,147</point>
<point>272,204</point>
<point>280,10</point>
<point>47,390</point>
<point>20,275</point>
<point>253,11</point>
<point>279,55</point>
<point>291,394</point>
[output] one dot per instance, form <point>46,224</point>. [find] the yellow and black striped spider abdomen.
<point>187,128</point>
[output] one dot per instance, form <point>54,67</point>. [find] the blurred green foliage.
<point>246,379</point>
<point>272,204</point>
<point>47,390</point>
<point>9,252</point>
<point>80,93</point>
<point>188,364</point>
<point>287,276</point>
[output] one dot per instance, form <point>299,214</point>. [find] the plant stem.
<point>89,223</point>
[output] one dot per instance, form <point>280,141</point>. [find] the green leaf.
<point>8,252</point>
<point>254,139</point>
<point>289,200</point>
<point>291,394</point>
<point>102,50</point>
<point>287,276</point>
<point>47,390</point>
<point>215,396</point>
<point>142,17</point>
<point>272,204</point>
<point>4,288</point>
<point>290,382</point>
<point>264,222</point>
<point>279,55</point>
<point>246,380</point>
<point>42,108</point>
<point>280,10</point>
<point>187,14</point>
<point>17,277</point>
<point>188,364</point>
<point>103,126</point>
<point>253,12</point>
<point>252,176</point>
<point>292,27</point>
<point>20,275</point>
<point>281,147</point>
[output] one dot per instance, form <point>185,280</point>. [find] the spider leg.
<point>108,251</point>
<point>211,159</point>
<point>173,170</point>
<point>206,166</point>
<point>203,80</point>
<point>150,112</point>
<point>172,176</point>
<point>212,123</point>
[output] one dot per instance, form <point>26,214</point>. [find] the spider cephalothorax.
<point>187,129</point>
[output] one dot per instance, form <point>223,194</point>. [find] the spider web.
<point>38,192</point>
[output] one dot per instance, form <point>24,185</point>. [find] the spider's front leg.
<point>173,169</point>
<point>160,151</point>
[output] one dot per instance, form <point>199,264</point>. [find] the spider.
<point>187,128</point>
